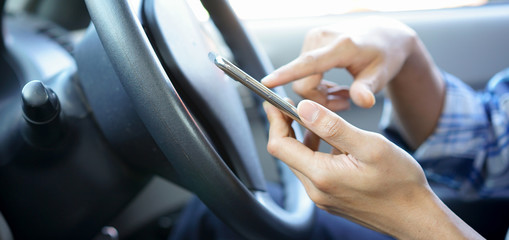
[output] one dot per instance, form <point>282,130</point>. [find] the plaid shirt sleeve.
<point>468,153</point>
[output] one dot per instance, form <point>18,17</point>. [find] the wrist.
<point>430,218</point>
<point>416,61</point>
<point>417,93</point>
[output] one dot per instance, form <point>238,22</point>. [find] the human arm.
<point>378,52</point>
<point>377,184</point>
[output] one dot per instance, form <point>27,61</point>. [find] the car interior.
<point>112,116</point>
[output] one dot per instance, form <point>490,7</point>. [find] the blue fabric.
<point>468,153</point>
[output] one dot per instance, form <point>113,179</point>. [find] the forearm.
<point>417,93</point>
<point>429,218</point>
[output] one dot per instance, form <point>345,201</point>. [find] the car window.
<point>264,9</point>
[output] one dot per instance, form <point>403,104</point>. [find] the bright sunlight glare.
<point>263,9</point>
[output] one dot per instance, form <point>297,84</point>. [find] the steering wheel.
<point>194,113</point>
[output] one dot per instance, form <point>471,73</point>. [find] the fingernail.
<point>268,78</point>
<point>367,97</point>
<point>265,79</point>
<point>308,110</point>
<point>265,105</point>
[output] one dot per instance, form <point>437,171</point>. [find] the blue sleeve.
<point>468,152</point>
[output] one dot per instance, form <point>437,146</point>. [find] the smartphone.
<point>237,74</point>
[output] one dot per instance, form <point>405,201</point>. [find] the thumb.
<point>367,82</point>
<point>332,128</point>
<point>361,93</point>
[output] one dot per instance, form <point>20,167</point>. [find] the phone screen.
<point>237,74</point>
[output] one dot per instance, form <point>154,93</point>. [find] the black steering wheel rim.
<point>250,212</point>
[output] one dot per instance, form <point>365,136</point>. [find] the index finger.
<point>310,63</point>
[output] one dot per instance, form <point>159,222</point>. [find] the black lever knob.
<point>41,110</point>
<point>40,104</point>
